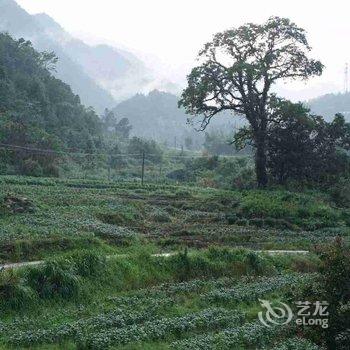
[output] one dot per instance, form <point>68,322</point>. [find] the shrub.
<point>122,216</point>
<point>335,289</point>
<point>257,264</point>
<point>88,264</point>
<point>54,279</point>
<point>340,194</point>
<point>13,293</point>
<point>181,175</point>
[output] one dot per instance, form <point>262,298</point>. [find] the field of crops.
<point>102,285</point>
<point>75,214</point>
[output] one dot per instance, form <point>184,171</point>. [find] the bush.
<point>335,289</point>
<point>13,293</point>
<point>181,175</point>
<point>123,215</point>
<point>217,262</point>
<point>332,286</point>
<point>340,194</point>
<point>257,264</point>
<point>153,153</point>
<point>88,264</point>
<point>54,279</point>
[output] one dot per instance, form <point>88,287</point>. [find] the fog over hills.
<point>106,76</point>
<point>156,116</point>
<point>330,104</point>
<point>102,75</point>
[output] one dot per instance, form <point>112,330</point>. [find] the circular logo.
<point>279,314</point>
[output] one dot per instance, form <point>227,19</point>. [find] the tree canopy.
<point>38,110</point>
<point>237,70</point>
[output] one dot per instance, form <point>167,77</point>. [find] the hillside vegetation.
<point>330,104</point>
<point>102,287</point>
<point>113,241</point>
<point>38,110</point>
<point>77,214</point>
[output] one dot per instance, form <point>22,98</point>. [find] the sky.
<point>170,33</point>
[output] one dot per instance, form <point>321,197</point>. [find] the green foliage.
<point>340,193</point>
<point>122,215</point>
<point>335,289</point>
<point>88,263</point>
<point>159,215</point>
<point>54,279</point>
<point>289,210</point>
<point>219,143</point>
<point>237,71</point>
<point>296,344</point>
<point>305,148</point>
<point>39,111</point>
<point>14,294</point>
<point>138,146</point>
<point>156,116</point>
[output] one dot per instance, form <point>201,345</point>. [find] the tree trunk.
<point>260,161</point>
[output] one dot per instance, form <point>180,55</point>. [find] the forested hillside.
<point>37,109</point>
<point>330,104</point>
<point>18,23</point>
<point>157,116</point>
<point>95,73</point>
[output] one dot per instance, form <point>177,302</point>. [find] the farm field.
<point>102,287</point>
<point>64,215</point>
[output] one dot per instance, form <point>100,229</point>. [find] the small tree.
<point>238,69</point>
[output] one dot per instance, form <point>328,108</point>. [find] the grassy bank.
<point>83,301</point>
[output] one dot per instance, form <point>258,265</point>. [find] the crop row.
<point>250,334</point>
<point>120,317</point>
<point>160,296</point>
<point>296,343</point>
<point>253,291</point>
<point>161,328</point>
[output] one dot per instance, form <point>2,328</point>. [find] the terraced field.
<point>183,315</point>
<point>102,286</point>
<point>76,214</point>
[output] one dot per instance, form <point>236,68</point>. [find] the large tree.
<point>237,70</point>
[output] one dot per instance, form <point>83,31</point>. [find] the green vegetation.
<point>39,111</point>
<point>97,239</point>
<point>171,298</point>
<point>181,259</point>
<point>106,216</point>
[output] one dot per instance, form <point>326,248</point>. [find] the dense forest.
<point>37,109</point>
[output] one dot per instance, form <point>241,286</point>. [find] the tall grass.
<point>78,276</point>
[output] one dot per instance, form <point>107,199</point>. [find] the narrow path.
<point>164,255</point>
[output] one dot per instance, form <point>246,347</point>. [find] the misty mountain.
<point>330,104</point>
<point>100,74</point>
<point>156,116</point>
<point>18,23</point>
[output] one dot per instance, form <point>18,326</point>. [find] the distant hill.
<point>100,74</point>
<point>18,23</point>
<point>330,104</point>
<point>156,115</point>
